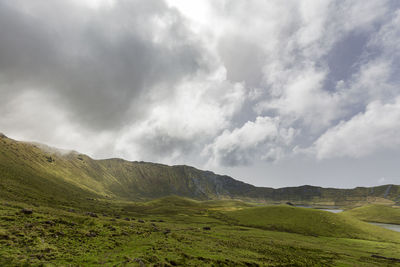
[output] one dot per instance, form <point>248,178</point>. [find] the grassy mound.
<point>309,222</point>
<point>376,213</point>
<point>173,205</point>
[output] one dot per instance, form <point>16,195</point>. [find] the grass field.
<point>177,231</point>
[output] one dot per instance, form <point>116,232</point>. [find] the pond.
<point>393,227</point>
<point>332,209</point>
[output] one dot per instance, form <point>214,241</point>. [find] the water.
<point>333,210</point>
<point>393,227</point>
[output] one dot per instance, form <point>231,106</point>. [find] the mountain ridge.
<point>24,164</point>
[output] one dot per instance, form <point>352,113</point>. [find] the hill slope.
<point>27,170</point>
<point>310,222</point>
<point>376,213</point>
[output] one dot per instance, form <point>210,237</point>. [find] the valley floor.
<point>166,233</point>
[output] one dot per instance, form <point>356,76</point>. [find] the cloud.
<point>102,62</point>
<point>178,127</point>
<point>376,129</point>
<point>263,137</point>
<point>218,84</point>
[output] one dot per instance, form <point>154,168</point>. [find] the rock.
<point>127,259</point>
<point>50,222</point>
<point>173,263</point>
<point>39,256</point>
<point>207,228</point>
<point>141,221</point>
<point>2,135</point>
<point>127,219</point>
<point>140,262</point>
<point>91,214</point>
<point>28,225</point>
<point>49,159</point>
<point>91,234</point>
<point>60,233</point>
<point>26,211</point>
<point>4,236</point>
<point>166,231</point>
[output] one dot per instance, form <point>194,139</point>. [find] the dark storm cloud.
<point>102,62</point>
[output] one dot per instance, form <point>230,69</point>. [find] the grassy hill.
<point>376,213</point>
<point>310,222</point>
<point>28,169</point>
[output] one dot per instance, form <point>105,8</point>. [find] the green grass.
<point>59,237</point>
<point>376,213</point>
<point>310,222</point>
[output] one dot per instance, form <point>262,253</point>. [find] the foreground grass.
<point>376,213</point>
<point>197,234</point>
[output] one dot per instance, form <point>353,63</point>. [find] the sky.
<point>274,93</point>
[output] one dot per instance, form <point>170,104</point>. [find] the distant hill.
<point>34,172</point>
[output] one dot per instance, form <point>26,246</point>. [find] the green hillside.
<point>376,213</point>
<point>310,222</point>
<point>28,169</point>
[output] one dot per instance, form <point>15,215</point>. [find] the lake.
<point>332,209</point>
<point>393,227</point>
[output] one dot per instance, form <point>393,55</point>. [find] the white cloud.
<point>177,126</point>
<point>377,129</point>
<point>262,138</point>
